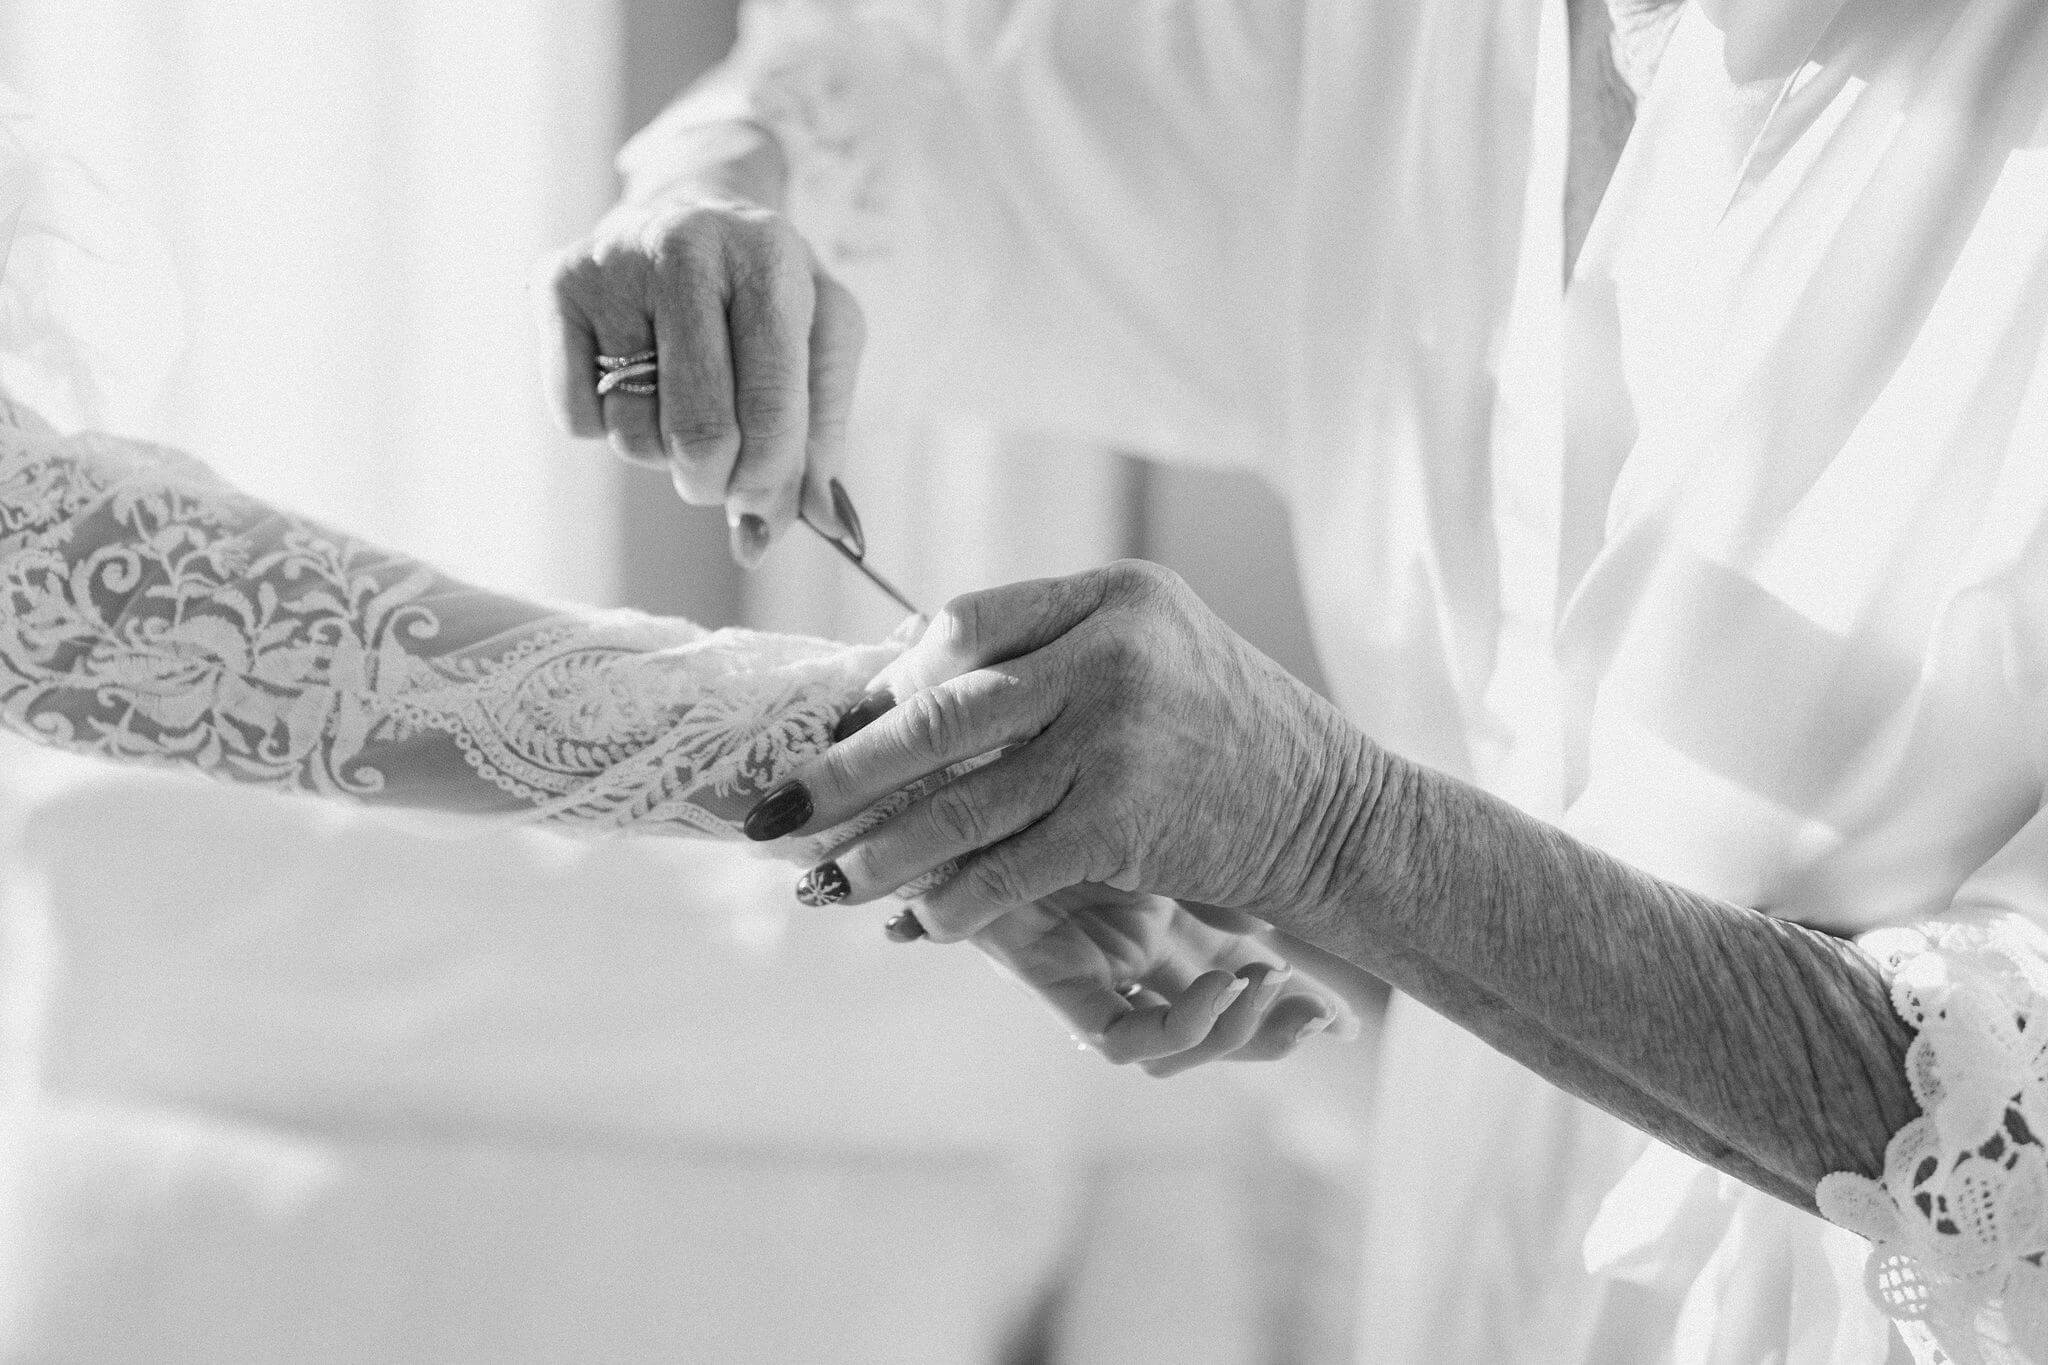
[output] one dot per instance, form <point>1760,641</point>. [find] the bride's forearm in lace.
<point>150,612</point>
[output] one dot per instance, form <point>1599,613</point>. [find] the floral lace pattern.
<point>817,103</point>
<point>1959,1221</point>
<point>150,612</point>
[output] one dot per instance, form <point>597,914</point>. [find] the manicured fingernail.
<point>862,714</point>
<point>780,812</point>
<point>1272,983</point>
<point>749,539</point>
<point>905,928</point>
<point>1229,996</point>
<point>824,884</point>
<point>842,508</point>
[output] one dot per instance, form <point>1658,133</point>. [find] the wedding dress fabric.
<point>1730,557</point>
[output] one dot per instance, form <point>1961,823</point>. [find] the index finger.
<point>957,707</point>
<point>959,720</point>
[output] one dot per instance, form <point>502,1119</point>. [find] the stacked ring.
<point>626,373</point>
<point>634,378</point>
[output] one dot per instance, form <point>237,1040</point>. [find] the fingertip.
<point>1310,1029</point>
<point>906,928</point>
<point>750,535</point>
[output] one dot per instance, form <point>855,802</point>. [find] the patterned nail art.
<point>824,884</point>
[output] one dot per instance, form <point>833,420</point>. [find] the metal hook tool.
<point>905,926</point>
<point>853,546</point>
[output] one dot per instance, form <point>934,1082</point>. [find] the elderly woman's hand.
<point>754,345</point>
<point>1148,748</point>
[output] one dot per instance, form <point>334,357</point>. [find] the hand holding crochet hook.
<point>696,330</point>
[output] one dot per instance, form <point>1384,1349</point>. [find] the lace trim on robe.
<point>1641,29</point>
<point>150,612</point>
<point>1959,1221</point>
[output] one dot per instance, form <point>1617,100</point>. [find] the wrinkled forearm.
<point>1763,1048</point>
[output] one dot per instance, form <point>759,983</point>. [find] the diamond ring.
<point>632,377</point>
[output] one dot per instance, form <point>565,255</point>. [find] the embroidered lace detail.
<point>1642,28</point>
<point>824,80</point>
<point>1959,1222</point>
<point>150,612</point>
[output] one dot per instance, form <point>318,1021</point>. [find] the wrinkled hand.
<point>1146,747</point>
<point>1143,980</point>
<point>756,346</point>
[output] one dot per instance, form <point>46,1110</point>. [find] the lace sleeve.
<point>153,613</point>
<point>1959,1220</point>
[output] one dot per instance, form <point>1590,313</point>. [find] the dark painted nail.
<point>749,539</point>
<point>824,884</point>
<point>905,928</point>
<point>842,508</point>
<point>780,812</point>
<point>862,714</point>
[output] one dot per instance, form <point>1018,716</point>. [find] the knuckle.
<point>956,819</point>
<point>704,439</point>
<point>574,275</point>
<point>769,274</point>
<point>770,242</point>
<point>934,721</point>
<point>680,231</point>
<point>957,626</point>
<point>995,879</point>
<point>1140,579</point>
<point>768,412</point>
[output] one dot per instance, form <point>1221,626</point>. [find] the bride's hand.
<point>755,345</point>
<point>1144,980</point>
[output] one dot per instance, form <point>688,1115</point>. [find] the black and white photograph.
<point>1024,682</point>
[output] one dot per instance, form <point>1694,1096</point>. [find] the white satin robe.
<point>1732,558</point>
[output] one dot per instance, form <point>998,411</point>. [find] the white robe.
<point>1732,559</point>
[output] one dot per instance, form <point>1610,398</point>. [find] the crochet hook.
<point>853,546</point>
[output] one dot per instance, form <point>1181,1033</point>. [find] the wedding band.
<point>629,378</point>
<point>620,362</point>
